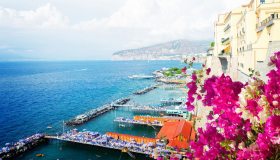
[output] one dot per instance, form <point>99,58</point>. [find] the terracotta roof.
<point>172,130</point>
<point>178,133</point>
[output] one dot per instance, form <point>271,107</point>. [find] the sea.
<point>34,95</point>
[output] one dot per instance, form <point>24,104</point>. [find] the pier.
<point>82,118</point>
<point>11,151</point>
<point>136,122</point>
<point>146,90</point>
<point>125,143</point>
<point>149,109</point>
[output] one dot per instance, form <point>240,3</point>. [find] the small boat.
<point>49,127</point>
<point>40,155</point>
<point>141,76</point>
<point>121,125</point>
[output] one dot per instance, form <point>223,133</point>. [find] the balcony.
<point>267,22</point>
<point>210,51</point>
<point>227,28</point>
<point>225,40</point>
<point>226,51</point>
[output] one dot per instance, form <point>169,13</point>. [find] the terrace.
<point>269,21</point>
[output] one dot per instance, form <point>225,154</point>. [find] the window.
<point>262,1</point>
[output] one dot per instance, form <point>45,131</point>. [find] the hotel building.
<point>245,37</point>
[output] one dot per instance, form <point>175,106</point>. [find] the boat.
<point>49,127</point>
<point>171,101</point>
<point>40,155</point>
<point>141,76</point>
<point>121,125</point>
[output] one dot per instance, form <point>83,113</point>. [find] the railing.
<point>227,28</point>
<point>267,22</point>
<point>225,40</point>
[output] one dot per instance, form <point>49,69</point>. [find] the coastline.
<point>124,109</point>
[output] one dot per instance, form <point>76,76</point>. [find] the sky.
<point>95,29</point>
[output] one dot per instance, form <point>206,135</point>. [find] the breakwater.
<point>146,90</point>
<point>11,151</point>
<point>82,118</point>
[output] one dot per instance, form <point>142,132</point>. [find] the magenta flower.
<point>208,71</point>
<point>253,107</point>
<point>191,93</point>
<point>228,126</point>
<point>272,129</point>
<point>263,142</point>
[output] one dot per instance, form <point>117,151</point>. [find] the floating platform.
<point>82,118</point>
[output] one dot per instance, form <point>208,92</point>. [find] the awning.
<point>227,49</point>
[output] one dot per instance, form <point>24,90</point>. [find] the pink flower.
<point>272,129</point>
<point>253,107</point>
<point>192,91</point>
<point>224,133</point>
<point>193,58</point>
<point>184,70</point>
<point>272,88</point>
<point>263,142</point>
<point>208,71</point>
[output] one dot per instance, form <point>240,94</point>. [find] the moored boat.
<point>141,76</point>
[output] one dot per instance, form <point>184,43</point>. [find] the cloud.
<point>165,18</point>
<point>46,16</point>
<point>132,24</point>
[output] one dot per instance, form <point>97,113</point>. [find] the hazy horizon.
<point>95,29</point>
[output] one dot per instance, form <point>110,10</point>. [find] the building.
<point>178,133</point>
<point>245,37</point>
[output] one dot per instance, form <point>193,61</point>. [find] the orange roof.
<point>178,133</point>
<point>172,130</point>
<point>129,138</point>
<point>179,144</point>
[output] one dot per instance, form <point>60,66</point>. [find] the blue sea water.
<point>34,95</point>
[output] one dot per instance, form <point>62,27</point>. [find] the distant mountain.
<point>173,50</point>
